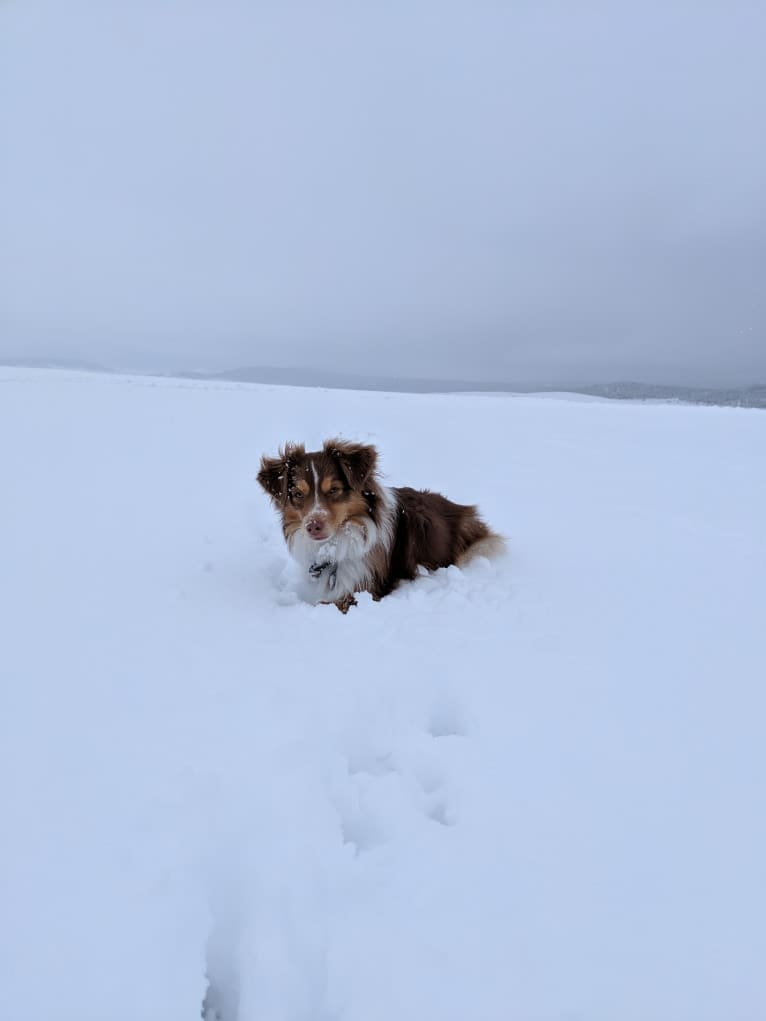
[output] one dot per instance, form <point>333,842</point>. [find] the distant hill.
<point>75,364</point>
<point>737,397</point>
<point>753,396</point>
<point>358,381</point>
<point>743,397</point>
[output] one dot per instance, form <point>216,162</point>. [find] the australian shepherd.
<point>350,533</point>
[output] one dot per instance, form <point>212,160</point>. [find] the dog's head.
<point>320,491</point>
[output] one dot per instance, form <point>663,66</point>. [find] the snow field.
<point>530,789</point>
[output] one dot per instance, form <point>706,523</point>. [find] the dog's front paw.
<point>346,602</point>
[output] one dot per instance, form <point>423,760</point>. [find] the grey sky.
<point>525,190</point>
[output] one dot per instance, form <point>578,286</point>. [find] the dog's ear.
<point>357,461</point>
<point>274,475</point>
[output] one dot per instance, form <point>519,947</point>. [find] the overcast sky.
<point>525,190</point>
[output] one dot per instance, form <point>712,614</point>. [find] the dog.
<point>350,533</point>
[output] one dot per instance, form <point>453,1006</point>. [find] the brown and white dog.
<point>351,533</point>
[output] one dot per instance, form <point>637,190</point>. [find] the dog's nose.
<point>315,527</point>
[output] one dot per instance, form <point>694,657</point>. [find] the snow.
<point>532,789</point>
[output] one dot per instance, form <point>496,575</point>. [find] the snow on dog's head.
<point>318,493</point>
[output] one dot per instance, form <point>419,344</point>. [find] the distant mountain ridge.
<point>753,396</point>
<point>745,397</point>
<point>736,397</point>
<point>357,381</point>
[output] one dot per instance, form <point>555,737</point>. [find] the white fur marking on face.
<point>316,506</point>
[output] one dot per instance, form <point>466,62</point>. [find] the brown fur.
<point>418,528</point>
<point>431,532</point>
<point>342,470</point>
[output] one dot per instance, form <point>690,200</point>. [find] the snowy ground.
<point>529,791</point>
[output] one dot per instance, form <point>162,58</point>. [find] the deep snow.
<point>530,790</point>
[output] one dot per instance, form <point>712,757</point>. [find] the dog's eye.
<point>335,491</point>
<point>297,495</point>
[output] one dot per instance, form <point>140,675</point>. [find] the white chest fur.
<point>339,566</point>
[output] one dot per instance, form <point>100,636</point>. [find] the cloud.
<point>455,189</point>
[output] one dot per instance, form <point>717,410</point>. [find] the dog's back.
<point>432,531</point>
